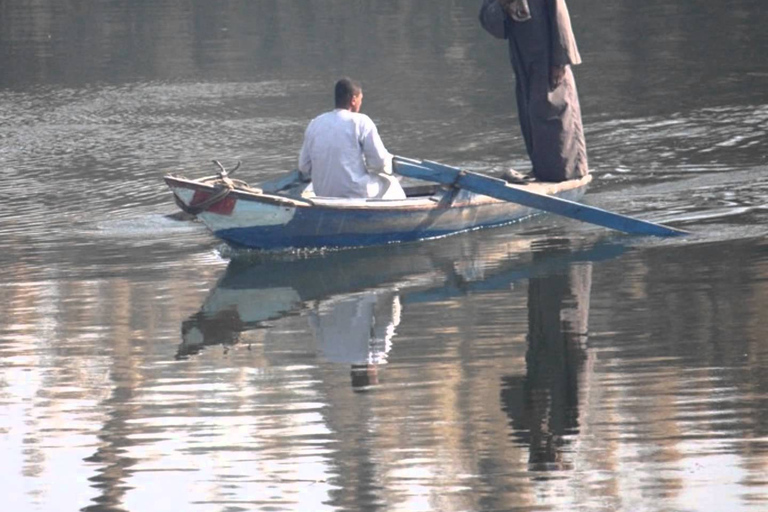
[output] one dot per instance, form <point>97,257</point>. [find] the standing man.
<point>343,153</point>
<point>542,50</point>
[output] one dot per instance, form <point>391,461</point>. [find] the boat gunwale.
<point>373,204</point>
<point>440,200</point>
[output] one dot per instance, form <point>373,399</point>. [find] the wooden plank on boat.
<point>500,189</point>
<point>280,183</point>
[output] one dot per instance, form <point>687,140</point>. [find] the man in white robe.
<point>343,154</point>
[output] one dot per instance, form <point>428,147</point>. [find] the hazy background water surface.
<point>548,366</point>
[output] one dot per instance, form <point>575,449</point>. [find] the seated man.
<point>343,153</point>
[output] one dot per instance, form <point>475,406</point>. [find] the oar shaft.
<point>494,187</point>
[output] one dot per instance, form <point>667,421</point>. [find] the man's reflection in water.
<point>357,329</point>
<point>543,405</point>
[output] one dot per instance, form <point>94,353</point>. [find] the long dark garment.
<point>550,119</point>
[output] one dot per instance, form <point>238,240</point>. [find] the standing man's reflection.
<point>543,405</point>
<point>357,329</point>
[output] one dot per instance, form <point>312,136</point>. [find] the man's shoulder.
<point>334,117</point>
<point>359,116</point>
<point>324,116</point>
<point>363,120</point>
<point>321,121</point>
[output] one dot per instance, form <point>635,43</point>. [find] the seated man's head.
<point>348,95</point>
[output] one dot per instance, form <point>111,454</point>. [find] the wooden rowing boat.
<point>280,214</point>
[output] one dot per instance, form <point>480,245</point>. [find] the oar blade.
<point>499,189</point>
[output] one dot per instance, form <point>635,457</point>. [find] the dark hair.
<point>345,90</point>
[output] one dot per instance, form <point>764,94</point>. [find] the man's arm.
<point>377,158</point>
<point>563,44</point>
<point>305,161</point>
<point>493,19</point>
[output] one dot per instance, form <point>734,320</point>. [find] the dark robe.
<point>550,120</point>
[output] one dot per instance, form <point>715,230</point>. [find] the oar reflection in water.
<point>543,404</point>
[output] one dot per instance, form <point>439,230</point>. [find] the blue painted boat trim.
<point>282,237</point>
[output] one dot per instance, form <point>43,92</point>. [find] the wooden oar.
<point>500,189</point>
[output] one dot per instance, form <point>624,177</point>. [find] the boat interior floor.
<point>420,190</point>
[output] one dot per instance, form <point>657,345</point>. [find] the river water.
<point>547,366</point>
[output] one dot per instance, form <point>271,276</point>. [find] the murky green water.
<point>548,366</point>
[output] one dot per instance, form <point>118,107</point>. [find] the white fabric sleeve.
<point>377,158</point>
<point>305,161</point>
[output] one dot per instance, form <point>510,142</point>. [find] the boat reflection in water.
<point>543,405</point>
<point>353,299</point>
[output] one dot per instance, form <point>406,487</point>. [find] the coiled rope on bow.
<point>224,185</point>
